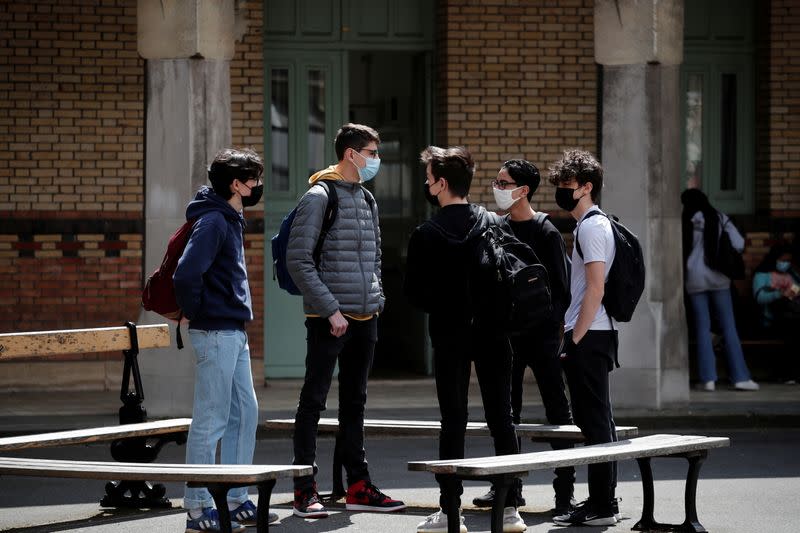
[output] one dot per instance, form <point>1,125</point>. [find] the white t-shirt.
<point>597,244</point>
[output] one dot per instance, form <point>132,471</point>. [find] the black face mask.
<point>433,200</point>
<point>255,196</point>
<point>564,198</point>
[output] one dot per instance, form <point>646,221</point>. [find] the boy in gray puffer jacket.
<point>342,297</point>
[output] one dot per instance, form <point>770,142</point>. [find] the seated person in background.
<point>776,288</point>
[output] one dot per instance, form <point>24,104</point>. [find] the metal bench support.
<point>136,494</point>
<point>219,491</point>
<point>691,523</point>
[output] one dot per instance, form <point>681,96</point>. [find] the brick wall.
<point>72,100</point>
<point>71,163</point>
<point>516,79</point>
<point>71,158</point>
<point>247,129</point>
<point>778,163</point>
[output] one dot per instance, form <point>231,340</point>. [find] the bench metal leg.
<point>338,490</point>
<point>452,502</point>
<point>691,523</point>
<point>502,484</point>
<point>220,494</point>
<point>262,513</point>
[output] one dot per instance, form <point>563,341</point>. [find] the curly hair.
<point>581,166</point>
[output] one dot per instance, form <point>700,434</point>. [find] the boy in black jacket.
<point>537,348</point>
<point>440,252</point>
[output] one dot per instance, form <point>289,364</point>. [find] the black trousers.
<point>538,350</point>
<point>354,351</point>
<point>587,371</point>
<point>453,357</point>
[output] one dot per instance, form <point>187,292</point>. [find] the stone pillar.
<point>640,47</point>
<point>187,45</point>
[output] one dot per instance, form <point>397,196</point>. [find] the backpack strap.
<point>590,214</point>
<point>331,210</point>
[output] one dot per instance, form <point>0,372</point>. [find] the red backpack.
<point>159,293</point>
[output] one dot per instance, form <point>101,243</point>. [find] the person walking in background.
<point>213,291</point>
<point>709,289</point>
<point>776,289</point>
<point>342,297</point>
<point>537,348</point>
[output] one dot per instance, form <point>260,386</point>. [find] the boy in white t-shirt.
<point>589,347</point>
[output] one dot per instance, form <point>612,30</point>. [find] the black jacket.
<point>437,266</point>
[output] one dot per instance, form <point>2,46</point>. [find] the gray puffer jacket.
<point>349,275</point>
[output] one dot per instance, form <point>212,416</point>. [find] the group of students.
<point>340,283</point>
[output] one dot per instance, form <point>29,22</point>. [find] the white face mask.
<point>503,198</point>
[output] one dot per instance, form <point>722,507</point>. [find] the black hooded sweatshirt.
<point>437,266</point>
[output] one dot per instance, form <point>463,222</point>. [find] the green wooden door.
<point>304,102</point>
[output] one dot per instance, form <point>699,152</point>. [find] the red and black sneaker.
<point>364,496</point>
<point>307,503</point>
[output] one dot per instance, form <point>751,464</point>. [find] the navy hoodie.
<point>211,278</point>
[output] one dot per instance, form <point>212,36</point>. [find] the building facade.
<point>96,96</point>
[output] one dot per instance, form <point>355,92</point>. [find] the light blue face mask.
<point>370,169</point>
<point>783,266</point>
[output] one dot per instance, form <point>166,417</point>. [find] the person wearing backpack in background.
<point>213,292</point>
<point>342,297</point>
<point>707,287</point>
<point>537,348</point>
<point>440,254</point>
<point>589,347</point>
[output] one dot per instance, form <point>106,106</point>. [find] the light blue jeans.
<point>225,408</point>
<point>723,307</point>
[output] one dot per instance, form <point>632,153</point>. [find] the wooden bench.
<point>417,428</point>
<point>135,440</point>
<point>502,470</point>
<point>100,434</point>
<point>217,478</point>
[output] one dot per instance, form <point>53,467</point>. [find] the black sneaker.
<point>564,505</point>
<point>586,515</point>
<point>308,505</point>
<point>487,500</point>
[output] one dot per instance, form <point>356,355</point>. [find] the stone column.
<point>640,47</point>
<point>187,45</point>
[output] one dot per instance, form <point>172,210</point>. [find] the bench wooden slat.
<point>86,436</point>
<point>650,446</point>
<point>33,343</point>
<point>417,427</point>
<point>150,471</point>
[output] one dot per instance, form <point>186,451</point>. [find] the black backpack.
<point>509,287</point>
<point>626,277</point>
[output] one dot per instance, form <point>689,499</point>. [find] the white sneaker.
<point>437,523</point>
<point>708,386</point>
<point>512,521</point>
<point>746,385</point>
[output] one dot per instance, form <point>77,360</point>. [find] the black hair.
<point>454,164</point>
<point>355,136</point>
<point>769,263</point>
<point>695,200</point>
<point>523,173</point>
<point>581,166</point>
<point>233,164</point>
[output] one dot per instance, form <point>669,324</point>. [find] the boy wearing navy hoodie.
<point>212,290</point>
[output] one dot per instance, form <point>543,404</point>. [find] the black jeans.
<point>354,351</point>
<point>587,369</point>
<point>453,357</point>
<point>538,349</point>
